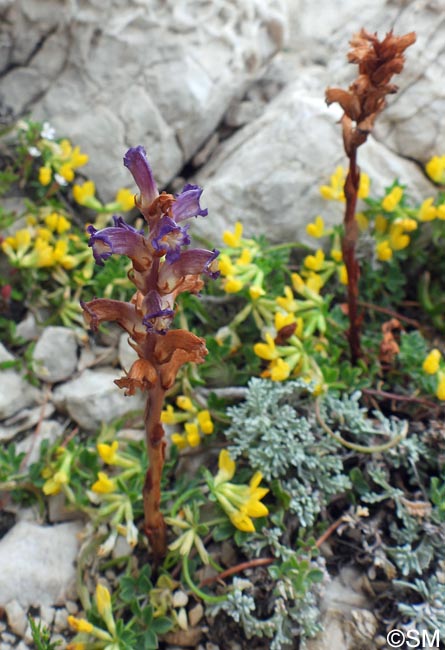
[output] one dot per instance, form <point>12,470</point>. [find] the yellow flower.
<point>256,292</point>
<point>362,221</point>
<point>45,234</point>
<point>435,168</point>
<point>205,421</point>
<point>185,403</point>
<point>441,211</point>
<point>66,172</point>
<point>397,238</point>
<point>108,453</point>
<point>279,370</point>
<point>343,274</point>
<point>44,253</point>
<point>57,474</point>
<point>381,224</point>
<point>168,415</point>
<point>336,255</point>
<point>66,148</point>
<point>57,223</point>
<point>432,362</point>
<point>80,624</point>
<point>334,191</point>
<point>392,200</point>
<point>103,485</point>
<point>240,502</point>
<point>226,467</point>
<point>440,391</point>
<point>179,440</point>
<point>316,229</point>
<point>45,174</point>
<point>266,350</point>
<point>287,302</point>
<point>281,320</point>
<point>245,257</point>
<point>233,239</point>
<point>427,211</point>
<point>314,282</point>
<point>232,285</point>
<point>363,188</point>
<point>103,601</point>
<point>406,223</point>
<point>315,262</point>
<point>81,193</point>
<point>225,265</point>
<point>192,434</point>
<point>383,251</point>
<point>78,159</point>
<point>126,199</point>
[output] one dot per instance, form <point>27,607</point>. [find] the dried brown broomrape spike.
<point>377,62</point>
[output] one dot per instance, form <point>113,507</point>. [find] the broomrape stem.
<point>348,245</point>
<point>154,523</point>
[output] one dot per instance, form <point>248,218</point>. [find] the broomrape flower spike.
<point>241,503</point>
<point>162,268</point>
<point>364,100</point>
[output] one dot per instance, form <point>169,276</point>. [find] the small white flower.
<point>60,180</point>
<point>48,132</point>
<point>34,152</point>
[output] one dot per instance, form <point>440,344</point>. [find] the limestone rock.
<point>126,353</point>
<point>159,74</point>
<point>5,355</point>
<point>15,393</point>
<point>49,430</point>
<point>268,174</point>
<point>37,564</point>
<point>24,420</point>
<point>16,616</point>
<point>93,398</point>
<point>55,354</point>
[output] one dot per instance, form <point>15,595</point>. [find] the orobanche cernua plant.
<point>377,62</point>
<point>162,268</point>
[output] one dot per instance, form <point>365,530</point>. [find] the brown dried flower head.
<point>377,62</point>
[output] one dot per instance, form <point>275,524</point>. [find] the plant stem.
<point>250,564</point>
<point>348,246</point>
<point>201,594</point>
<point>154,521</point>
<point>373,449</point>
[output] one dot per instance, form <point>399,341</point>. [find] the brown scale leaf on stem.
<point>364,100</point>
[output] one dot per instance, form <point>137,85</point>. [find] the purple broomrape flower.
<point>190,262</point>
<point>158,316</point>
<point>120,239</point>
<point>169,237</point>
<point>136,161</point>
<point>187,204</point>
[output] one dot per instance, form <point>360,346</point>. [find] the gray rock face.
<point>37,564</point>
<point>55,354</point>
<point>268,174</point>
<point>158,73</point>
<point>93,398</point>
<point>15,393</point>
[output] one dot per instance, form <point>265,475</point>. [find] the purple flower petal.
<point>136,161</point>
<point>169,237</point>
<point>121,239</point>
<point>187,204</point>
<point>190,262</point>
<point>158,316</point>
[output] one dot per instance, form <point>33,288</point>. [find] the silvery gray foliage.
<point>429,614</point>
<point>275,430</point>
<point>293,614</point>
